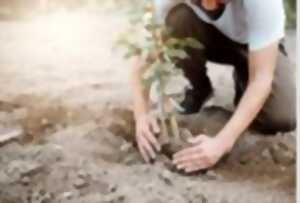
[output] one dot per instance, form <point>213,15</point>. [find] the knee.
<point>179,17</point>
<point>278,123</point>
<point>285,124</point>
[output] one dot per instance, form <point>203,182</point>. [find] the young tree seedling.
<point>153,43</point>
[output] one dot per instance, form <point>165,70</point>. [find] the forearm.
<point>140,98</point>
<point>262,65</point>
<point>250,105</point>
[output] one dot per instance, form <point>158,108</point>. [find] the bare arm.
<point>262,65</point>
<point>140,99</point>
<point>146,125</point>
<point>207,151</point>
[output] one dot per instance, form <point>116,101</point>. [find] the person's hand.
<point>204,154</point>
<point>146,128</point>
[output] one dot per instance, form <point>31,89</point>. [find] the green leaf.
<point>148,82</point>
<point>177,53</point>
<point>172,42</point>
<point>130,54</point>
<point>152,71</point>
<point>176,84</point>
<point>177,71</point>
<point>193,43</point>
<point>167,67</point>
<point>132,51</point>
<point>135,18</point>
<point>176,105</point>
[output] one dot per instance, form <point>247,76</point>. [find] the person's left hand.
<point>204,154</point>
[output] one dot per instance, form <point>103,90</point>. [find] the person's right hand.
<point>146,128</point>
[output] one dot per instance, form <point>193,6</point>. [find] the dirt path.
<point>64,93</point>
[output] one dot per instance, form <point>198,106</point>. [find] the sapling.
<point>153,43</point>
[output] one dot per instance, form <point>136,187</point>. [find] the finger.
<point>152,139</point>
<point>190,162</point>
<point>180,166</point>
<point>192,169</point>
<point>155,126</point>
<point>198,139</point>
<point>189,158</point>
<point>188,165</point>
<point>147,146</point>
<point>143,152</point>
<point>187,152</point>
<point>201,164</point>
<point>198,167</point>
<point>195,166</point>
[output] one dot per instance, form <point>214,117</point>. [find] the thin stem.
<point>156,35</point>
<point>162,112</point>
<point>174,127</point>
<point>164,138</point>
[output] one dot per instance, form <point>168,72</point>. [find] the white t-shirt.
<point>257,23</point>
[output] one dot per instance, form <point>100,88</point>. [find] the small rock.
<point>112,188</point>
<point>266,154</point>
<point>131,159</point>
<point>283,155</point>
<point>80,183</point>
<point>82,174</point>
<point>166,175</point>
<point>8,135</point>
<point>18,169</point>
<point>67,195</point>
<point>47,197</point>
<point>125,147</point>
<point>198,198</point>
<point>114,198</point>
<point>41,196</point>
<point>213,175</point>
<point>25,180</point>
<point>31,169</point>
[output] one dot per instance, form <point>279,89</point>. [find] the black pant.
<point>279,111</point>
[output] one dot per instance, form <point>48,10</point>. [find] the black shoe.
<point>194,100</point>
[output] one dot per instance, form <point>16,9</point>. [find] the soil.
<point>71,97</point>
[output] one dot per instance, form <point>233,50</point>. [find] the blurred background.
<point>72,33</point>
<point>291,12</point>
<point>21,8</point>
